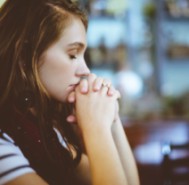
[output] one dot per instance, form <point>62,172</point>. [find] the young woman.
<point>45,87</point>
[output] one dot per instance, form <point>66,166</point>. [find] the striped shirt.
<point>12,162</point>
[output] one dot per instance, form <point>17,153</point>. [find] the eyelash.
<point>72,57</point>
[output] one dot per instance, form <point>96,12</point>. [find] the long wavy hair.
<point>27,29</point>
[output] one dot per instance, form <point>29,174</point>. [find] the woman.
<point>45,87</point>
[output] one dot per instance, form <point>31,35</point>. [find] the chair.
<point>175,164</point>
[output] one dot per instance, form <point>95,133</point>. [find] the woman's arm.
<point>105,164</point>
<point>125,153</point>
<point>95,114</point>
<point>120,148</point>
<point>27,179</point>
<point>83,171</point>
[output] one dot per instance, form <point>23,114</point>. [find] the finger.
<point>104,90</point>
<point>83,86</point>
<point>71,97</point>
<point>97,84</point>
<point>91,79</point>
<point>117,106</point>
<point>71,119</point>
<point>106,83</point>
<point>116,111</point>
<point>111,91</point>
<point>117,94</point>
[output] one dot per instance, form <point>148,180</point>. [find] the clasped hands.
<point>94,99</point>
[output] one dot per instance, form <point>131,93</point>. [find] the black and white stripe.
<point>12,162</point>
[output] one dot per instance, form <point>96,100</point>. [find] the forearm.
<point>105,164</point>
<point>95,114</point>
<point>125,153</point>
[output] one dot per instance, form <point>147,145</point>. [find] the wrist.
<point>96,132</point>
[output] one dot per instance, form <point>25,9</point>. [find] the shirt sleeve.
<point>12,162</point>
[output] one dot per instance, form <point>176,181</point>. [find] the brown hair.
<point>27,29</point>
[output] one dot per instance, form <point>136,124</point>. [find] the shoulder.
<point>12,162</point>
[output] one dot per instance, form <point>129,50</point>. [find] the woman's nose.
<point>83,70</point>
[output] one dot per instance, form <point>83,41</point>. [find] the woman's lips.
<point>73,86</point>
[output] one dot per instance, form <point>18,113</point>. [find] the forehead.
<point>75,32</point>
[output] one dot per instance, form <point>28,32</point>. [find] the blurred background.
<point>142,46</point>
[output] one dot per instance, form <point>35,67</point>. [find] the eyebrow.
<point>77,44</point>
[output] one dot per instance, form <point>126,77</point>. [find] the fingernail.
<point>96,88</point>
<point>110,92</point>
<point>71,99</point>
<point>71,118</point>
<point>83,89</point>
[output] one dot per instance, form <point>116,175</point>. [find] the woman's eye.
<point>73,57</point>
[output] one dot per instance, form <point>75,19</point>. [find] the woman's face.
<point>62,65</point>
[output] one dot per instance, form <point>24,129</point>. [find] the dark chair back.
<point>175,164</point>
